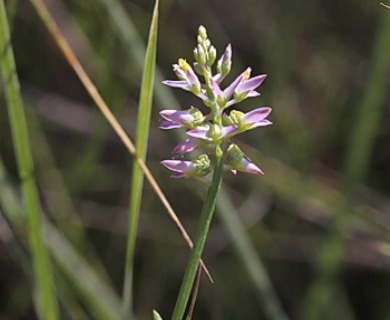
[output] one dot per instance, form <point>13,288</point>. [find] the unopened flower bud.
<point>202,34</point>
<point>236,160</point>
<point>214,132</point>
<point>200,55</point>
<point>198,69</point>
<point>202,164</point>
<point>212,55</point>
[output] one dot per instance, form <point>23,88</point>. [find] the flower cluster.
<point>211,134</point>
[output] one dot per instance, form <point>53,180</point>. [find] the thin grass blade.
<point>141,143</point>
<point>47,303</point>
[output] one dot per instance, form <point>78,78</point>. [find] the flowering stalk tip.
<point>210,134</point>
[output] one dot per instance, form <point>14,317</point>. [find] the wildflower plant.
<point>209,136</point>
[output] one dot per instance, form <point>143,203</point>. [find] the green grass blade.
<point>142,133</point>
<point>47,304</point>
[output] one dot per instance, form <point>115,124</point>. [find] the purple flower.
<point>247,166</point>
<point>212,133</point>
<point>250,120</point>
<point>182,169</point>
<point>173,119</point>
<point>236,160</point>
<point>256,118</point>
<point>244,87</point>
<point>188,80</point>
<point>224,64</point>
<point>247,87</point>
<point>188,169</point>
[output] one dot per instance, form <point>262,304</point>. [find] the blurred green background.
<point>319,217</point>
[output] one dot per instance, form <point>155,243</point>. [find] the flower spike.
<point>210,134</point>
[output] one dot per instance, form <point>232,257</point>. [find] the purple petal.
<point>227,55</point>
<point>252,94</point>
<point>228,130</point>
<point>216,89</point>
<point>186,146</point>
<point>166,125</point>
<point>178,116</point>
<point>199,132</point>
<point>250,167</point>
<point>251,84</point>
<point>167,114</point>
<point>261,123</point>
<point>178,165</point>
<point>257,115</point>
<point>232,87</point>
<point>192,78</point>
<point>176,84</point>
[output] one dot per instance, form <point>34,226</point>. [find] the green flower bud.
<point>226,67</point>
<point>198,69</point>
<point>214,132</point>
<point>202,34</point>
<point>201,55</point>
<point>202,164</point>
<point>234,155</point>
<point>235,117</point>
<point>198,117</point>
<point>212,55</point>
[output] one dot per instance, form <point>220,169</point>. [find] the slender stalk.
<point>141,143</point>
<point>199,242</point>
<point>47,303</point>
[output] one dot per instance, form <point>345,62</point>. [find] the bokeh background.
<point>311,235</point>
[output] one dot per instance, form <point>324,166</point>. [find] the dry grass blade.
<point>386,6</point>
<point>93,92</point>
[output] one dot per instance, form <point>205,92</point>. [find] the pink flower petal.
<point>176,84</point>
<point>200,133</point>
<point>166,125</point>
<point>228,92</point>
<point>187,145</point>
<point>256,115</point>
<point>251,84</point>
<point>178,165</point>
<point>249,167</point>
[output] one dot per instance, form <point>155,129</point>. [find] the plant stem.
<point>47,303</point>
<point>199,242</point>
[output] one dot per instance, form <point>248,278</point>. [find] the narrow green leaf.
<point>143,123</point>
<point>47,303</point>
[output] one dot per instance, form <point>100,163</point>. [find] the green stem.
<point>200,240</point>
<point>47,304</point>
